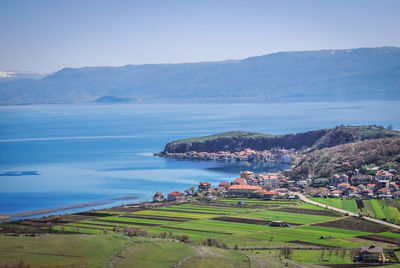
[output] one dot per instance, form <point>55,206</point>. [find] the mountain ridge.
<point>350,74</point>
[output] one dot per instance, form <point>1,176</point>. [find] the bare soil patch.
<point>309,211</point>
<point>360,204</point>
<point>245,220</point>
<point>311,244</point>
<point>127,209</point>
<point>355,224</point>
<point>191,211</point>
<point>196,230</point>
<point>381,238</point>
<point>153,217</point>
<point>128,223</point>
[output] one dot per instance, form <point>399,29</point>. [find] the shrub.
<point>185,239</point>
<point>213,242</point>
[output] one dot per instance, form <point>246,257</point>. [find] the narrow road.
<point>305,199</point>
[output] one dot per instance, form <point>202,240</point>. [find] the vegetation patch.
<point>309,211</point>
<point>381,238</point>
<point>353,223</point>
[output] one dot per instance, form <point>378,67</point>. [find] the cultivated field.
<point>198,234</point>
<point>379,209</point>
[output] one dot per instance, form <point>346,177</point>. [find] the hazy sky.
<point>45,36</point>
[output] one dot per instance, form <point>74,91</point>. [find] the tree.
<point>268,186</point>
<point>185,239</point>
<point>187,191</point>
<point>192,188</point>
<point>387,166</point>
<point>286,252</point>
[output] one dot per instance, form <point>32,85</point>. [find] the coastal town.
<point>269,186</point>
<point>275,154</point>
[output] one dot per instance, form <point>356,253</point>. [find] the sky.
<point>45,36</point>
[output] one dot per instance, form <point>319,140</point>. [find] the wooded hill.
<point>235,141</point>
<point>328,161</point>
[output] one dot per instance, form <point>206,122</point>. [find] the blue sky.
<point>45,36</point>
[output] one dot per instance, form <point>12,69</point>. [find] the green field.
<point>238,230</point>
<point>380,209</point>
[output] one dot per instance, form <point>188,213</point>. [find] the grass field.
<point>380,209</point>
<point>74,238</point>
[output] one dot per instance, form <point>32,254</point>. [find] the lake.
<point>53,156</point>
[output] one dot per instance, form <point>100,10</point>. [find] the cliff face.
<point>238,140</point>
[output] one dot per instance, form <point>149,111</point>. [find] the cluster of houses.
<point>385,184</point>
<point>248,154</point>
<point>267,186</point>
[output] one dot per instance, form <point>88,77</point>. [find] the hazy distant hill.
<point>364,73</point>
<point>11,76</point>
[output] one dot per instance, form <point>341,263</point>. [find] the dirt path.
<point>305,199</point>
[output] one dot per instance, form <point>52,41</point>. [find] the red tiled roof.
<point>224,183</point>
<point>176,193</point>
<point>240,181</point>
<point>344,184</point>
<point>245,186</point>
<point>383,172</point>
<point>384,190</point>
<point>158,194</point>
<point>336,192</point>
<point>204,183</point>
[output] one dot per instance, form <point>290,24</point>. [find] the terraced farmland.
<point>379,209</point>
<point>237,228</point>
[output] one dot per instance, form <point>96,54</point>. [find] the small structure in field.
<point>372,254</point>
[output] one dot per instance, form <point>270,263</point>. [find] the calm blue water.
<point>58,155</point>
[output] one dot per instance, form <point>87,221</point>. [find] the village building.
<point>382,184</point>
<point>383,175</point>
<point>246,174</point>
<point>363,179</point>
<point>270,195</point>
<point>384,193</point>
<point>204,186</point>
<point>240,181</point>
<point>158,197</point>
<point>336,193</point>
<point>343,186</point>
<point>243,190</point>
<point>224,184</point>
<point>176,195</point>
<point>371,186</point>
<point>372,254</point>
<point>270,179</point>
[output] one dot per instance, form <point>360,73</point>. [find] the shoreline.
<point>37,213</point>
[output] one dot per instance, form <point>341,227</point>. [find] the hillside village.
<point>383,185</point>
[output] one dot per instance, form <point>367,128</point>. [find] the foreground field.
<point>213,234</point>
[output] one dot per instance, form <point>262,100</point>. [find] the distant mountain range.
<point>11,75</point>
<point>352,74</point>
